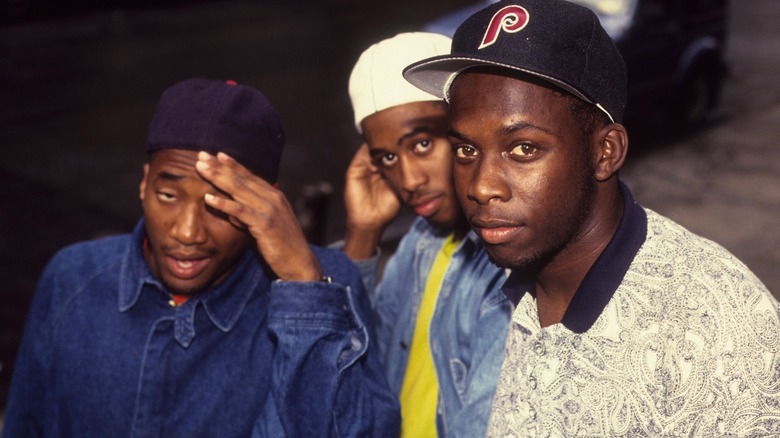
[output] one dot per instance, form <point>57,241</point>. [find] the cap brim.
<point>435,75</point>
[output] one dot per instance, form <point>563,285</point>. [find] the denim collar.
<point>223,303</point>
<point>606,274</point>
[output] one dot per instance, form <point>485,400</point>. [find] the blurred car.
<point>16,11</point>
<point>673,49</point>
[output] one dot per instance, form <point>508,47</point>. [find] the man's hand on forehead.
<point>266,214</point>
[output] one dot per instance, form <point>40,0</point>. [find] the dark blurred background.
<point>79,80</point>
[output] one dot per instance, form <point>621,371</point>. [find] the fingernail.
<point>210,197</point>
<point>221,156</point>
<point>204,156</point>
<point>202,165</point>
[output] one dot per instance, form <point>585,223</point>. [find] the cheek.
<point>462,179</point>
<point>440,172</point>
<point>393,179</point>
<point>229,238</point>
<point>155,220</point>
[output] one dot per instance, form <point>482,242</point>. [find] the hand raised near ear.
<point>371,204</point>
<point>265,212</point>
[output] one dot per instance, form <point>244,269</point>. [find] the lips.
<point>427,205</point>
<point>495,231</point>
<point>186,267</point>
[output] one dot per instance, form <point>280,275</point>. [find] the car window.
<point>615,15</point>
<point>607,7</point>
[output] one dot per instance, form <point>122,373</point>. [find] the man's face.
<point>190,246</point>
<point>408,143</point>
<point>522,171</point>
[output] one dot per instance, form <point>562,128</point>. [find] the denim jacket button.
<point>356,343</point>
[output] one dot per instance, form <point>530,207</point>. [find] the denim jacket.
<point>105,354</point>
<point>467,331</point>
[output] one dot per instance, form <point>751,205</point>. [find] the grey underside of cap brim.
<point>435,76</point>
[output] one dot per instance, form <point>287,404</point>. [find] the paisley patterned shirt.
<point>684,341</point>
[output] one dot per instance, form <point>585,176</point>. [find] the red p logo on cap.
<point>509,19</point>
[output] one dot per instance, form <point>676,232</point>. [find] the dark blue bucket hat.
<point>220,116</point>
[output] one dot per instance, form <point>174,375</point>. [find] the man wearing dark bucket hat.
<point>214,317</point>
<point>624,323</point>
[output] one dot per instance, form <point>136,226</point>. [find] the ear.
<point>611,150</point>
<point>142,186</point>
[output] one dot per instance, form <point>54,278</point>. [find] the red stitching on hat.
<point>231,82</point>
<point>510,19</point>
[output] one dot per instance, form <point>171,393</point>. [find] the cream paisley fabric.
<point>689,345</point>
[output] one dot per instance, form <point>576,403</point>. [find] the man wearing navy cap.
<point>214,317</point>
<point>624,323</point>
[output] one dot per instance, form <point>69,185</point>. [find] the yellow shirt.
<point>420,390</point>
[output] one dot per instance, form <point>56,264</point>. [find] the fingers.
<point>362,160</point>
<point>265,212</point>
<point>230,176</point>
<point>251,200</point>
<point>237,213</point>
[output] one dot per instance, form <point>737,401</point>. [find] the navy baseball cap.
<point>220,116</point>
<point>555,40</point>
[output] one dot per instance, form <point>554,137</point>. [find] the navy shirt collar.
<point>606,274</point>
<point>223,303</point>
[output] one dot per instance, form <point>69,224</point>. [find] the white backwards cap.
<point>377,81</point>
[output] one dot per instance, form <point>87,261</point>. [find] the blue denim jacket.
<point>104,354</point>
<point>467,331</point>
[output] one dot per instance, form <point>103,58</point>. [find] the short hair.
<point>590,116</point>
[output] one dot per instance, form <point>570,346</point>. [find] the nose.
<point>413,175</point>
<point>487,182</point>
<point>189,228</point>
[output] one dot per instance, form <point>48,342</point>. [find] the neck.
<point>458,228</point>
<point>461,227</point>
<point>558,281</point>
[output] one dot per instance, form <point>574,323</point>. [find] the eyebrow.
<point>377,152</point>
<point>414,132</point>
<point>505,130</point>
<point>518,126</point>
<point>167,176</point>
<point>458,135</point>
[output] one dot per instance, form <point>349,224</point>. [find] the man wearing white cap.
<point>440,316</point>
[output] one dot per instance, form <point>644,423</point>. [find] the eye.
<point>523,152</point>
<point>465,154</point>
<point>422,146</point>
<point>388,160</point>
<point>164,196</point>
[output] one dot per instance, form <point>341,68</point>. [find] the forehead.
<point>487,92</point>
<point>177,161</point>
<point>391,124</point>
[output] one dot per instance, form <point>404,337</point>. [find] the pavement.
<point>76,94</point>
<point>723,181</point>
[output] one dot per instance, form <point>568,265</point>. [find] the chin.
<point>185,288</point>
<point>443,225</point>
<point>507,259</point>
